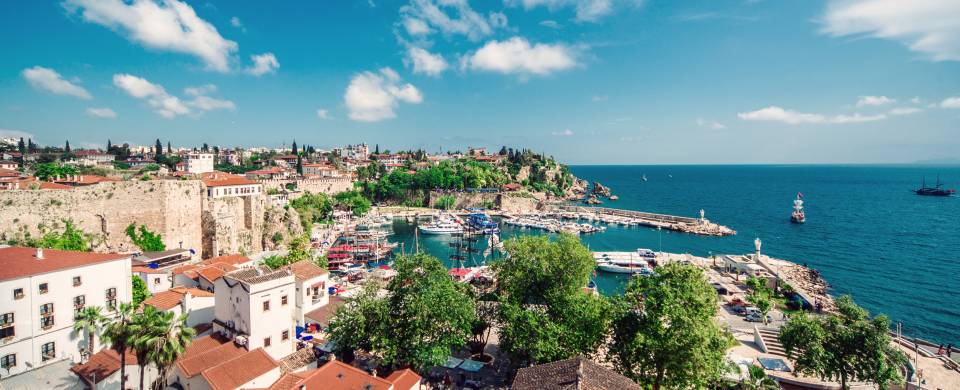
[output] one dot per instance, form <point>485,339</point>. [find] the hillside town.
<point>135,267</point>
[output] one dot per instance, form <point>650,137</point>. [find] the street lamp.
<point>660,238</point>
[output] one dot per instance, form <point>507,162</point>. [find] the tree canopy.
<point>70,239</point>
<point>848,345</point>
<point>50,170</point>
<point>144,239</point>
<point>546,314</point>
<point>664,331</point>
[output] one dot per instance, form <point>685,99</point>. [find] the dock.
<point>690,225</point>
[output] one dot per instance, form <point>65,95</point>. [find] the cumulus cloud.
<point>263,64</point>
<point>931,27</point>
<point>517,56</point>
<point>372,97</point>
<point>905,110</point>
<point>167,105</point>
<point>8,133</point>
<point>585,10</point>
<point>710,124</point>
<point>51,81</point>
<point>169,25</point>
<point>450,17</point>
<point>874,101</point>
<point>322,113</point>
<point>950,102</point>
<point>101,112</point>
<point>425,62</point>
<point>235,22</point>
<point>562,133</point>
<point>778,114</point>
<point>550,24</point>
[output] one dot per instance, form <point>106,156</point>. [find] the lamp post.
<point>660,238</point>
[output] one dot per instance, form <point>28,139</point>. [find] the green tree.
<point>446,202</point>
<point>354,201</point>
<point>71,239</point>
<point>140,292</point>
<point>47,171</point>
<point>313,208</point>
<point>759,380</point>
<point>165,339</point>
<point>664,331</point>
<point>760,296</point>
<point>158,150</point>
<point>847,345</point>
<point>144,239</point>
<point>423,318</point>
<point>298,249</point>
<point>89,321</point>
<point>545,313</point>
<point>119,334</point>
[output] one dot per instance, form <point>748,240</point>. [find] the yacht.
<point>441,226</point>
<point>482,223</point>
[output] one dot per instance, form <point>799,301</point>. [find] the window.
<point>111,305</point>
<point>7,332</point>
<point>6,319</point>
<point>46,309</point>
<point>43,288</point>
<point>111,293</point>
<point>8,361</point>
<point>266,305</point>
<point>266,342</point>
<point>17,293</point>
<point>79,302</point>
<point>48,351</point>
<point>283,300</point>
<point>76,281</point>
<point>285,335</point>
<point>156,280</point>
<point>47,322</point>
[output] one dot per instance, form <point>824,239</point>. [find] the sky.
<point>587,81</point>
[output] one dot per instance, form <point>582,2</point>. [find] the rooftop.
<point>234,259</point>
<point>297,360</point>
<point>241,369</point>
<point>221,179</point>
<point>201,359</point>
<point>20,262</point>
<point>339,375</point>
<point>259,274</point>
<point>173,297</point>
<point>575,373</point>
<point>103,364</point>
<point>323,314</point>
<point>305,270</point>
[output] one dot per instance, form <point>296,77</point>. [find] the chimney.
<point>39,253</point>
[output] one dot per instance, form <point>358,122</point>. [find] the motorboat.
<point>441,226</point>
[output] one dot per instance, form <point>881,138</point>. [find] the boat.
<point>616,268</point>
<point>637,262</point>
<point>482,223</point>
<point>643,177</point>
<point>441,226</point>
<point>798,216</point>
<point>937,190</point>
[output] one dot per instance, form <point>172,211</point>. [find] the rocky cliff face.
<point>279,226</point>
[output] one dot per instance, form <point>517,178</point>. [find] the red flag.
<point>799,195</point>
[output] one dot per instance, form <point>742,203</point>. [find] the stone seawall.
<point>170,208</point>
<point>507,202</point>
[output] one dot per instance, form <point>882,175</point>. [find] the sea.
<point>870,236</point>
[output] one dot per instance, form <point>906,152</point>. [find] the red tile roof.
<point>338,375</point>
<point>18,262</point>
<point>220,179</point>
<point>202,360</point>
<point>404,379</point>
<point>8,173</point>
<point>173,297</point>
<point>323,314</point>
<point>146,270</point>
<point>242,369</point>
<point>84,180</point>
<point>103,364</point>
<point>233,259</point>
<point>304,270</point>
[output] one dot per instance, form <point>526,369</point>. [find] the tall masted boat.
<point>798,216</point>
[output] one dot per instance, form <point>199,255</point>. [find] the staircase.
<point>772,342</point>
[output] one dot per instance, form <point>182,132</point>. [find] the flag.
<point>800,195</point>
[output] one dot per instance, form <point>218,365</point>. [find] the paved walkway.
<point>52,376</point>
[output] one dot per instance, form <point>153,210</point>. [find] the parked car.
<point>751,310</point>
<point>756,317</point>
<point>741,310</point>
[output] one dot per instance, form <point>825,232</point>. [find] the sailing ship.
<point>937,190</point>
<point>798,216</point>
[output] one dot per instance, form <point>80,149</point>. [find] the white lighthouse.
<point>757,244</point>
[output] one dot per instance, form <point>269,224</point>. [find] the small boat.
<point>937,190</point>
<point>643,177</point>
<point>798,216</point>
<point>441,226</point>
<point>483,223</point>
<point>620,268</point>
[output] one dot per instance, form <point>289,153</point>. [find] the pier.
<point>690,225</point>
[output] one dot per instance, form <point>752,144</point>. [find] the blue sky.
<point>589,81</point>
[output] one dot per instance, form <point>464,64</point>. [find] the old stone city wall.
<point>329,185</point>
<point>515,203</point>
<point>233,225</point>
<point>170,208</point>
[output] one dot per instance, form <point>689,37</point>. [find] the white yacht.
<point>442,226</point>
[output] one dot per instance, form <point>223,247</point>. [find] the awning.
<point>471,365</point>
<point>452,362</point>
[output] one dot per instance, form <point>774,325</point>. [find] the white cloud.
<point>931,27</point>
<point>425,62</point>
<point>51,81</point>
<point>372,97</point>
<point>101,112</point>
<point>235,22</point>
<point>7,133</point>
<point>710,124</point>
<point>550,24</point>
<point>915,100</point>
<point>874,101</point>
<point>599,98</point>
<point>778,114</point>
<point>263,64</point>
<point>950,102</point>
<point>905,110</point>
<point>563,133</point>
<point>451,17</point>
<point>169,25</point>
<point>586,10</point>
<point>517,56</point>
<point>169,106</point>
<point>322,113</point>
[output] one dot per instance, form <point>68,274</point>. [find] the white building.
<point>311,289</point>
<point>196,303</point>
<point>255,306</point>
<point>199,162</point>
<point>43,289</point>
<point>102,370</point>
<point>220,184</point>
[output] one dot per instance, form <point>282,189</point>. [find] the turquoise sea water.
<point>897,253</point>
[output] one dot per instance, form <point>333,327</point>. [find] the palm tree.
<point>118,333</point>
<point>144,334</point>
<point>89,321</point>
<point>173,337</point>
<point>759,380</point>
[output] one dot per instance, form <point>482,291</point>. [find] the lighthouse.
<point>757,244</point>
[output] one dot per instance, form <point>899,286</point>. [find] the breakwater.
<point>700,226</point>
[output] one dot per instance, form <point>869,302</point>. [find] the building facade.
<point>199,162</point>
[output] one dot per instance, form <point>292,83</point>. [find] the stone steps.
<point>772,342</point>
